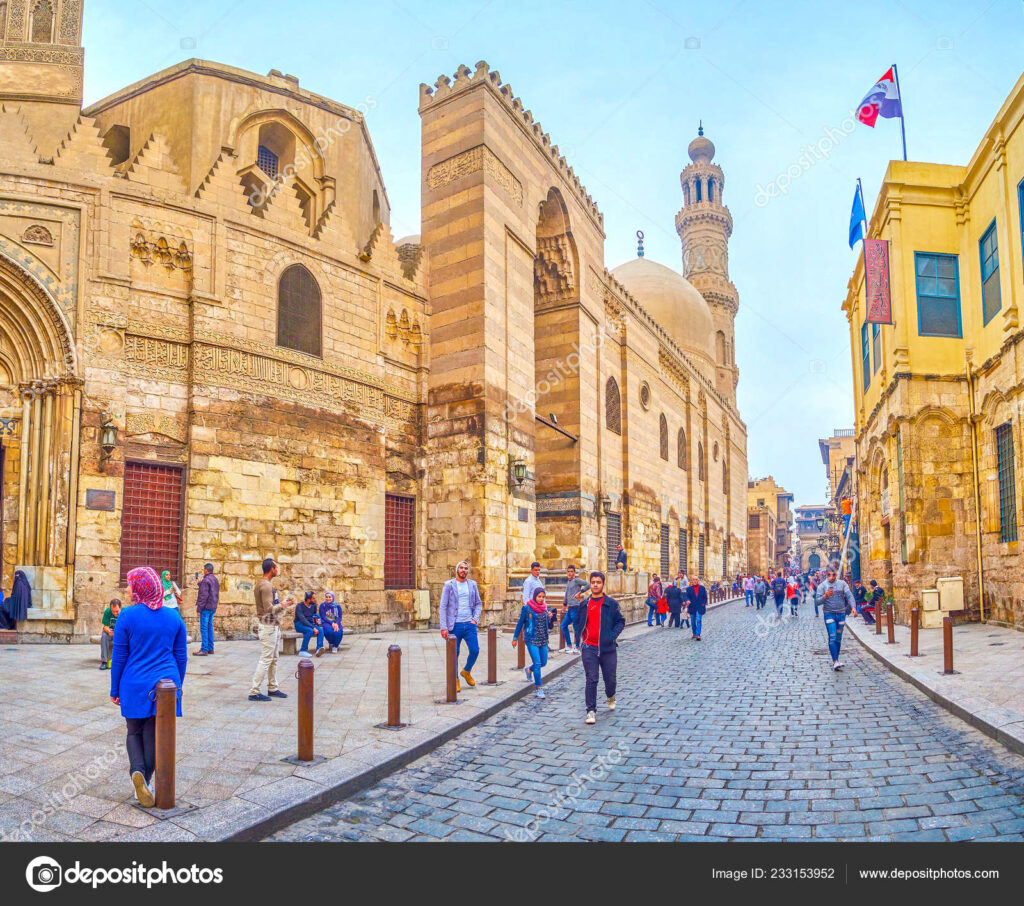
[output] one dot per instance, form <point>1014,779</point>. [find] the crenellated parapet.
<point>467,80</point>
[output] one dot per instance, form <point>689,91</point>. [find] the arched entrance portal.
<point>814,562</point>
<point>40,405</point>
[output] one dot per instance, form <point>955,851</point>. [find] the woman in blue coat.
<point>149,645</point>
<point>534,624</point>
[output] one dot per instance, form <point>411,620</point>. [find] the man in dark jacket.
<point>620,557</point>
<point>779,591</point>
<point>674,596</point>
<point>206,606</point>
<point>599,622</point>
<point>697,604</point>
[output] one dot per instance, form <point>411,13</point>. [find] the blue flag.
<point>857,217</point>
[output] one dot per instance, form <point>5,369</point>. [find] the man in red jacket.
<point>599,623</point>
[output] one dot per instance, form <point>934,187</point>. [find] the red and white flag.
<point>882,100</point>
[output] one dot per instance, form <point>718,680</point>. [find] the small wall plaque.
<point>98,499</point>
<point>524,514</point>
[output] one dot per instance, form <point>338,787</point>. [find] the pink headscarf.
<point>535,605</point>
<point>146,587</point>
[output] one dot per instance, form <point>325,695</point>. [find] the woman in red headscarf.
<point>149,645</point>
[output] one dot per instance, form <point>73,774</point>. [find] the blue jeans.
<point>570,620</point>
<point>778,604</point>
<point>660,618</point>
<point>334,638</point>
<point>539,657</point>
<point>467,632</point>
<point>308,631</point>
<point>834,623</point>
<point>206,630</point>
<point>650,612</point>
<point>748,593</point>
<point>695,620</point>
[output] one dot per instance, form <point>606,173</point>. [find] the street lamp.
<point>518,469</point>
<point>108,440</point>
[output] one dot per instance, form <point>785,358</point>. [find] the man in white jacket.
<point>459,614</point>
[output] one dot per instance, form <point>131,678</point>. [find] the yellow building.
<point>938,393</point>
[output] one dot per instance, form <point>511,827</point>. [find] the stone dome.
<point>701,149</point>
<point>673,302</point>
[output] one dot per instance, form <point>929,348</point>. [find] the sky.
<point>620,87</point>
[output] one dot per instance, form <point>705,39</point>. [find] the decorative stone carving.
<point>553,276</point>
<point>479,158</point>
<point>37,234</point>
<point>155,424</point>
<point>161,251</point>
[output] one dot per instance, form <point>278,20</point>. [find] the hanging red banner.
<point>876,281</point>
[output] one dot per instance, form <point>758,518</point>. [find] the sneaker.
<point>839,665</point>
<point>529,675</point>
<point>591,717</point>
<point>199,653</point>
<point>259,697</point>
<point>103,666</point>
<point>143,794</point>
<point>540,693</point>
<point>468,677</point>
<point>320,651</point>
<point>836,665</point>
<point>611,703</point>
<point>277,693</point>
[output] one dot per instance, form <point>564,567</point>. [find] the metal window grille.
<point>701,542</point>
<point>298,311</point>
<point>399,541</point>
<point>614,537</point>
<point>613,407</point>
<point>267,161</point>
<point>665,566</point>
<point>725,559</point>
<point>683,553</point>
<point>1007,484</point>
<point>151,518</point>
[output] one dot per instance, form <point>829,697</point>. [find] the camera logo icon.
<point>43,874</point>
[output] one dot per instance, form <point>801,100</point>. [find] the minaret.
<point>704,226</point>
<point>41,60</point>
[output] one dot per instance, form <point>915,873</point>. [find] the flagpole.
<point>863,207</point>
<point>903,130</point>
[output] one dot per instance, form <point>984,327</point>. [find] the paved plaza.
<point>748,734</point>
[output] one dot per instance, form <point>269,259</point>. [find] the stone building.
<point>813,537</point>
<point>938,394</point>
<point>213,349</point>
<point>769,525</point>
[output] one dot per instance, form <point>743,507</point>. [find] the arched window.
<point>298,311</point>
<point>613,407</point>
<point>42,23</point>
<point>700,462</point>
<point>699,198</point>
<point>663,436</point>
<point>725,478</point>
<point>3,21</point>
<point>720,347</point>
<point>681,450</point>
<point>711,188</point>
<point>686,193</point>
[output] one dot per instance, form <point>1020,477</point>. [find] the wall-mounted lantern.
<point>108,440</point>
<point>517,468</point>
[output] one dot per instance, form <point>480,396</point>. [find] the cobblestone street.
<point>746,734</point>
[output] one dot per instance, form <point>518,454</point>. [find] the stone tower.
<point>704,226</point>
<point>41,59</point>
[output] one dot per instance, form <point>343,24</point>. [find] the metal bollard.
<point>394,686</point>
<point>521,655</point>
<point>561,635</point>
<point>451,669</point>
<point>890,624</point>
<point>947,645</point>
<point>305,704</point>
<point>492,655</point>
<point>166,709</point>
<point>915,625</point>
<point>879,618</point>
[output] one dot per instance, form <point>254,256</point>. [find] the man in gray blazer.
<point>459,614</point>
